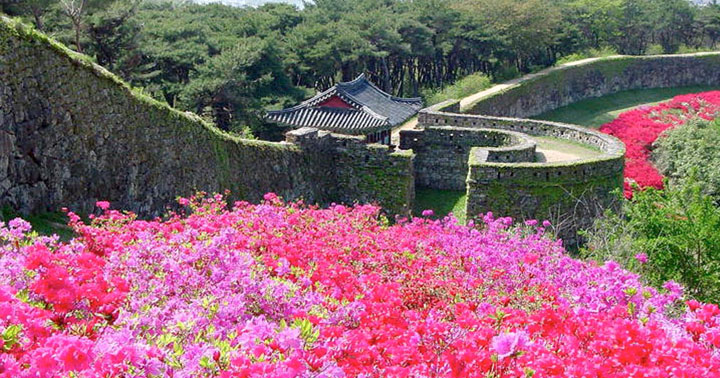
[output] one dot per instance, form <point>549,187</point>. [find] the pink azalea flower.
<point>642,258</point>
<point>507,344</point>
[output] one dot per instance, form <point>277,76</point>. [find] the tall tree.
<point>235,85</point>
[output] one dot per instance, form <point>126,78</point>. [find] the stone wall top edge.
<point>26,32</point>
<point>614,145</point>
<point>546,165</point>
<point>523,141</point>
<point>584,64</point>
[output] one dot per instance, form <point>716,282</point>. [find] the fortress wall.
<point>569,194</point>
<point>72,133</point>
<point>443,115</point>
<point>560,86</point>
<point>359,172</point>
<point>441,153</point>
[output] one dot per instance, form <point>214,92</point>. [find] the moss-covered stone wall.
<point>358,172</point>
<point>559,86</point>
<point>441,152</point>
<point>71,133</point>
<point>570,194</point>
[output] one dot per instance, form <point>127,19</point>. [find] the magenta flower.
<point>289,290</point>
<point>507,344</point>
<point>642,257</point>
<point>19,225</point>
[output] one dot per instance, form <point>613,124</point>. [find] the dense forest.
<point>230,64</point>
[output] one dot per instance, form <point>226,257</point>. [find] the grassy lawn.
<point>596,112</point>
<point>442,202</point>
<point>44,224</point>
<point>551,149</point>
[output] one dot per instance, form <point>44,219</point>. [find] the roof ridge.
<point>406,99</point>
<point>354,81</point>
<point>322,96</point>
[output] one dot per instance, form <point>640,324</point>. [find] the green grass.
<point>442,202</point>
<point>568,149</point>
<point>44,223</point>
<point>596,112</point>
<point>464,87</point>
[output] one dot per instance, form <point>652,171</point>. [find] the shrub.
<point>506,72</point>
<point>669,234</point>
<point>591,53</point>
<point>284,290</point>
<point>639,128</point>
<point>689,154</point>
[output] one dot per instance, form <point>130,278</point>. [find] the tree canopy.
<point>232,63</point>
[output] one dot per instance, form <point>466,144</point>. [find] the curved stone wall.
<point>559,86</point>
<point>521,149</point>
<point>442,152</point>
<point>71,133</point>
<point>571,194</point>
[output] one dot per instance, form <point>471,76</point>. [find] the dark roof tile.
<point>373,110</point>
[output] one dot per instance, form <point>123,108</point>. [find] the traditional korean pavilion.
<point>357,107</point>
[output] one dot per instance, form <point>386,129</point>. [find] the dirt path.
<point>409,125</point>
<point>467,101</point>
<point>551,150</point>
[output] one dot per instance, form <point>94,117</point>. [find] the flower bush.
<point>285,290</point>
<point>639,128</point>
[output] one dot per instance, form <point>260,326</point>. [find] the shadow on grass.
<point>441,202</point>
<point>44,223</point>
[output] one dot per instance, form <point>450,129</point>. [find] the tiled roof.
<point>372,109</point>
<point>348,121</point>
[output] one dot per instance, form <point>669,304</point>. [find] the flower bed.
<point>282,290</point>
<point>640,127</point>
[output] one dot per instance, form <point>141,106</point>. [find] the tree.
<point>113,33</point>
<point>672,22</point>
<point>634,28</point>
<point>529,28</point>
<point>709,23</point>
<point>37,9</point>
<point>596,20</point>
<point>237,84</point>
<point>75,11</point>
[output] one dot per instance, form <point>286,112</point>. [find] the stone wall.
<point>442,152</point>
<point>564,85</point>
<point>442,115</point>
<point>72,133</point>
<point>569,194</point>
<point>358,172</point>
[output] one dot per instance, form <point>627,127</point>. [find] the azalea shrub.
<point>286,290</point>
<point>640,128</point>
<point>663,235</point>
